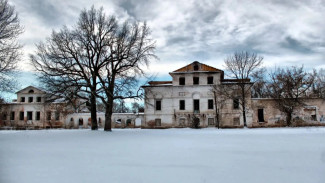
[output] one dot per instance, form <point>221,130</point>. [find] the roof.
<point>201,68</point>
<point>160,82</point>
<point>28,89</point>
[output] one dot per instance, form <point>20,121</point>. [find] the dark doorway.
<point>81,122</point>
<point>260,115</point>
<point>197,106</point>
<point>29,115</point>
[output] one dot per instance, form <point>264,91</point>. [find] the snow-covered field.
<point>288,155</point>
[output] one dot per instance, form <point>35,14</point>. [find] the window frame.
<point>158,107</point>
<point>182,105</point>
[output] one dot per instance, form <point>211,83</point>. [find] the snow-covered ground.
<point>288,155</point>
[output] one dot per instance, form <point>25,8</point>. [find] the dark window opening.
<point>196,80</point>
<point>30,99</point>
<point>182,105</point>
<point>260,115</point>
<point>31,91</point>
<point>236,103</point>
<point>21,115</point>
<point>158,122</point>
<point>12,115</point>
<point>4,116</point>
<point>22,99</point>
<point>38,99</point>
<point>38,115</point>
<point>48,114</point>
<point>196,105</point>
<point>57,116</point>
<point>210,104</point>
<point>182,81</point>
<point>313,117</point>
<point>210,80</point>
<point>29,115</point>
<point>196,67</point>
<point>81,122</point>
<point>158,105</point>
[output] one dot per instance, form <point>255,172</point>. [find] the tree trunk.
<point>244,105</point>
<point>289,117</point>
<point>93,112</point>
<point>108,115</point>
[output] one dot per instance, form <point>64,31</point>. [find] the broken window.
<point>182,105</point>
<point>196,80</point>
<point>12,115</point>
<point>30,99</point>
<point>182,81</point>
<point>29,115</point>
<point>4,116</point>
<point>210,104</point>
<point>158,105</point>
<point>196,106</point>
<point>21,115</point>
<point>210,80</point>
<point>260,114</point>
<point>22,99</point>
<point>196,67</point>
<point>38,99</point>
<point>38,115</point>
<point>236,103</point>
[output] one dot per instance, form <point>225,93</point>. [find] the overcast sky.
<point>284,32</point>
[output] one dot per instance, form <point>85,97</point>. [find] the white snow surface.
<point>277,155</point>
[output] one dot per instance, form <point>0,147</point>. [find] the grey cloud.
<point>296,45</point>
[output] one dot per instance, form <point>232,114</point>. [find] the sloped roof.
<point>201,67</point>
<point>29,88</point>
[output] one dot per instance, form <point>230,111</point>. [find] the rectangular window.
<point>196,105</point>
<point>4,116</point>
<point>260,115</point>
<point>30,99</point>
<point>181,93</point>
<point>196,80</point>
<point>38,115</point>
<point>21,115</point>
<point>12,115</point>
<point>38,99</point>
<point>236,103</point>
<point>158,105</point>
<point>182,81</point>
<point>48,115</point>
<point>210,104</point>
<point>236,121</point>
<point>210,121</point>
<point>57,116</point>
<point>182,105</point>
<point>210,80</point>
<point>29,115</point>
<point>22,99</point>
<point>158,122</point>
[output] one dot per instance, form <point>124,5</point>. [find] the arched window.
<point>31,91</point>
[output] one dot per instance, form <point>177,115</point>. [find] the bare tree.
<point>220,96</point>
<point>259,89</point>
<point>241,66</point>
<point>319,84</point>
<point>73,57</point>
<point>289,88</point>
<point>10,29</point>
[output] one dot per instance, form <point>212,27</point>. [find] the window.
<point>182,105</point>
<point>48,114</point>
<point>22,99</point>
<point>210,121</point>
<point>30,99</point>
<point>158,122</point>
<point>158,105</point>
<point>236,103</point>
<point>4,116</point>
<point>210,80</point>
<point>182,121</point>
<point>181,93</point>
<point>12,115</point>
<point>196,67</point>
<point>196,80</point>
<point>260,115</point>
<point>196,106</point>
<point>236,121</point>
<point>182,81</point>
<point>38,115</point>
<point>21,115</point>
<point>31,91</point>
<point>57,116</point>
<point>210,104</point>
<point>29,115</point>
<point>38,99</point>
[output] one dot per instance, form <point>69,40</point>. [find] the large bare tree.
<point>241,66</point>
<point>289,87</point>
<point>10,29</point>
<point>72,58</point>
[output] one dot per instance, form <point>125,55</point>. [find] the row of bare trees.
<point>289,86</point>
<point>99,58</point>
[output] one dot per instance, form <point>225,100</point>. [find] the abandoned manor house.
<point>187,98</point>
